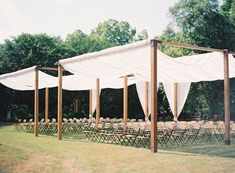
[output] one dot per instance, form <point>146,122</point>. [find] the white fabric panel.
<point>116,61</point>
<point>141,88</point>
<point>14,85</point>
<point>135,59</point>
<point>182,93</point>
<point>74,82</point>
<point>94,99</point>
<point>25,79</point>
<point>207,66</point>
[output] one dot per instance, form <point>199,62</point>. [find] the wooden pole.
<point>46,104</point>
<point>97,102</point>
<point>189,46</point>
<point>90,104</point>
<point>146,101</point>
<point>154,96</point>
<point>175,101</point>
<point>36,103</point>
<point>125,101</point>
<point>60,74</point>
<point>227,139</point>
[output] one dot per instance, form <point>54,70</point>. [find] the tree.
<point>115,32</point>
<point>202,22</point>
<point>143,35</point>
<point>78,42</point>
<point>228,9</point>
<point>28,50</point>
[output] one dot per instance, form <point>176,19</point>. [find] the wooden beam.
<point>227,138</point>
<point>154,96</point>
<point>90,104</point>
<point>60,74</point>
<point>189,46</point>
<point>97,102</point>
<point>46,104</point>
<point>49,68</point>
<point>175,102</point>
<point>36,103</point>
<point>146,100</point>
<point>125,101</point>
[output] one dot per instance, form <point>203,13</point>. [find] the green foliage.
<point>115,32</point>
<point>78,42</point>
<point>27,50</point>
<point>170,35</point>
<point>204,23</point>
<point>228,9</point>
<point>188,14</point>
<point>143,35</point>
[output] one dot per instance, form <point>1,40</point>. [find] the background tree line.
<point>204,23</point>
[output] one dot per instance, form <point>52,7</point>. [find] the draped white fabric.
<point>93,100</point>
<point>182,93</point>
<point>135,59</point>
<point>141,91</point>
<point>25,79</point>
<point>76,83</point>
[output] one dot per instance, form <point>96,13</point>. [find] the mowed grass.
<point>22,153</point>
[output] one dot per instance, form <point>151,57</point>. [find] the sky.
<point>60,17</point>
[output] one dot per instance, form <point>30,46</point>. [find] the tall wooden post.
<point>97,102</point>
<point>125,101</point>
<point>60,74</point>
<point>175,101</point>
<point>154,96</point>
<point>46,104</point>
<point>36,103</point>
<point>90,104</point>
<point>146,101</point>
<point>227,139</point>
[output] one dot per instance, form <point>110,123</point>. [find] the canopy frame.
<point>154,44</point>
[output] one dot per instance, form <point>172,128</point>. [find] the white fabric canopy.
<point>25,79</point>
<point>135,59</point>
<point>206,67</point>
<point>76,83</point>
<point>182,93</point>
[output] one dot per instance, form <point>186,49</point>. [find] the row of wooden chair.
<point>136,134</point>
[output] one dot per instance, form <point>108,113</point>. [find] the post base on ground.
<point>153,150</point>
<point>227,142</point>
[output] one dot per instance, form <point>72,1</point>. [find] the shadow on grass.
<point>210,149</point>
<point>218,150</point>
<point>214,149</point>
<point>4,124</point>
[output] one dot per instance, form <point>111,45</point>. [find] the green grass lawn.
<point>22,153</point>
